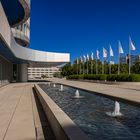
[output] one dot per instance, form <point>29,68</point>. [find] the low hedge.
<point>88,77</point>
<point>113,77</point>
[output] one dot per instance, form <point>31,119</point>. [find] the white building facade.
<point>37,73</point>
<point>15,54</point>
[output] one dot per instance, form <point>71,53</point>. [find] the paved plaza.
<point>19,110</point>
<point>19,117</point>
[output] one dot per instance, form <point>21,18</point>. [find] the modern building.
<point>36,73</point>
<point>15,54</point>
<point>134,59</point>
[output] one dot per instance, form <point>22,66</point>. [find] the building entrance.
<point>15,73</point>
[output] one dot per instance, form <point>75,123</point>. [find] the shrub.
<point>135,77</point>
<point>113,77</point>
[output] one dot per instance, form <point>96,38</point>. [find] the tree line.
<point>90,67</point>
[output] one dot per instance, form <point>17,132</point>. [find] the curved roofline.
<point>26,7</point>
<point>36,55</point>
<point>26,53</point>
<point>32,55</point>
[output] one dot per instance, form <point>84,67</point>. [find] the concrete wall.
<point>5,30</point>
<point>23,72</point>
<point>63,127</point>
<point>5,72</point>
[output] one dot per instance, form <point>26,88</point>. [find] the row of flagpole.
<point>86,58</point>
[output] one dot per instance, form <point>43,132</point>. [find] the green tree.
<point>57,74</point>
<point>114,69</point>
<point>67,70</point>
<point>136,68</point>
<point>124,68</point>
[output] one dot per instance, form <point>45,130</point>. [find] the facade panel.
<point>36,73</point>
<point>5,71</point>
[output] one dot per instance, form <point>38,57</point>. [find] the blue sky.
<point>82,26</point>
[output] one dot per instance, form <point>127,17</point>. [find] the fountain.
<point>90,113</point>
<point>54,85</point>
<point>116,112</point>
<point>61,88</point>
<point>77,95</point>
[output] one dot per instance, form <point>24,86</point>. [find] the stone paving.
<point>19,117</point>
<point>16,113</point>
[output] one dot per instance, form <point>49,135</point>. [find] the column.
<point>23,71</point>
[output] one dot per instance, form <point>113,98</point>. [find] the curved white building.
<point>15,54</point>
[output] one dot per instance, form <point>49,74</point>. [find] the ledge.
<point>63,127</point>
<point>17,11</point>
<point>26,6</point>
<point>20,35</point>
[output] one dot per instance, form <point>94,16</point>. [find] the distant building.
<point>134,59</point>
<point>36,73</point>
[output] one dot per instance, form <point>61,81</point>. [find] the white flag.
<point>132,47</point>
<point>120,48</point>
<point>92,56</point>
<point>97,54</point>
<point>111,51</point>
<point>84,58</point>
<point>87,57</point>
<point>112,62</point>
<point>104,52</point>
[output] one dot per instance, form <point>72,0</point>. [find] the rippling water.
<point>89,114</point>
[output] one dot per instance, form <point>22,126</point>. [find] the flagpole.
<point>92,63</point>
<point>80,67</point>
<point>96,66</point>
<point>110,66</point>
<point>87,66</point>
<point>91,68</point>
<point>129,58</point>
<point>77,66</point>
<point>83,68</point>
<point>120,51</point>
<point>110,54</point>
<point>97,57</point>
<point>118,61</point>
<point>103,62</point>
<point>103,66</point>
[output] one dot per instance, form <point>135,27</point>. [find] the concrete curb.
<point>63,127</point>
